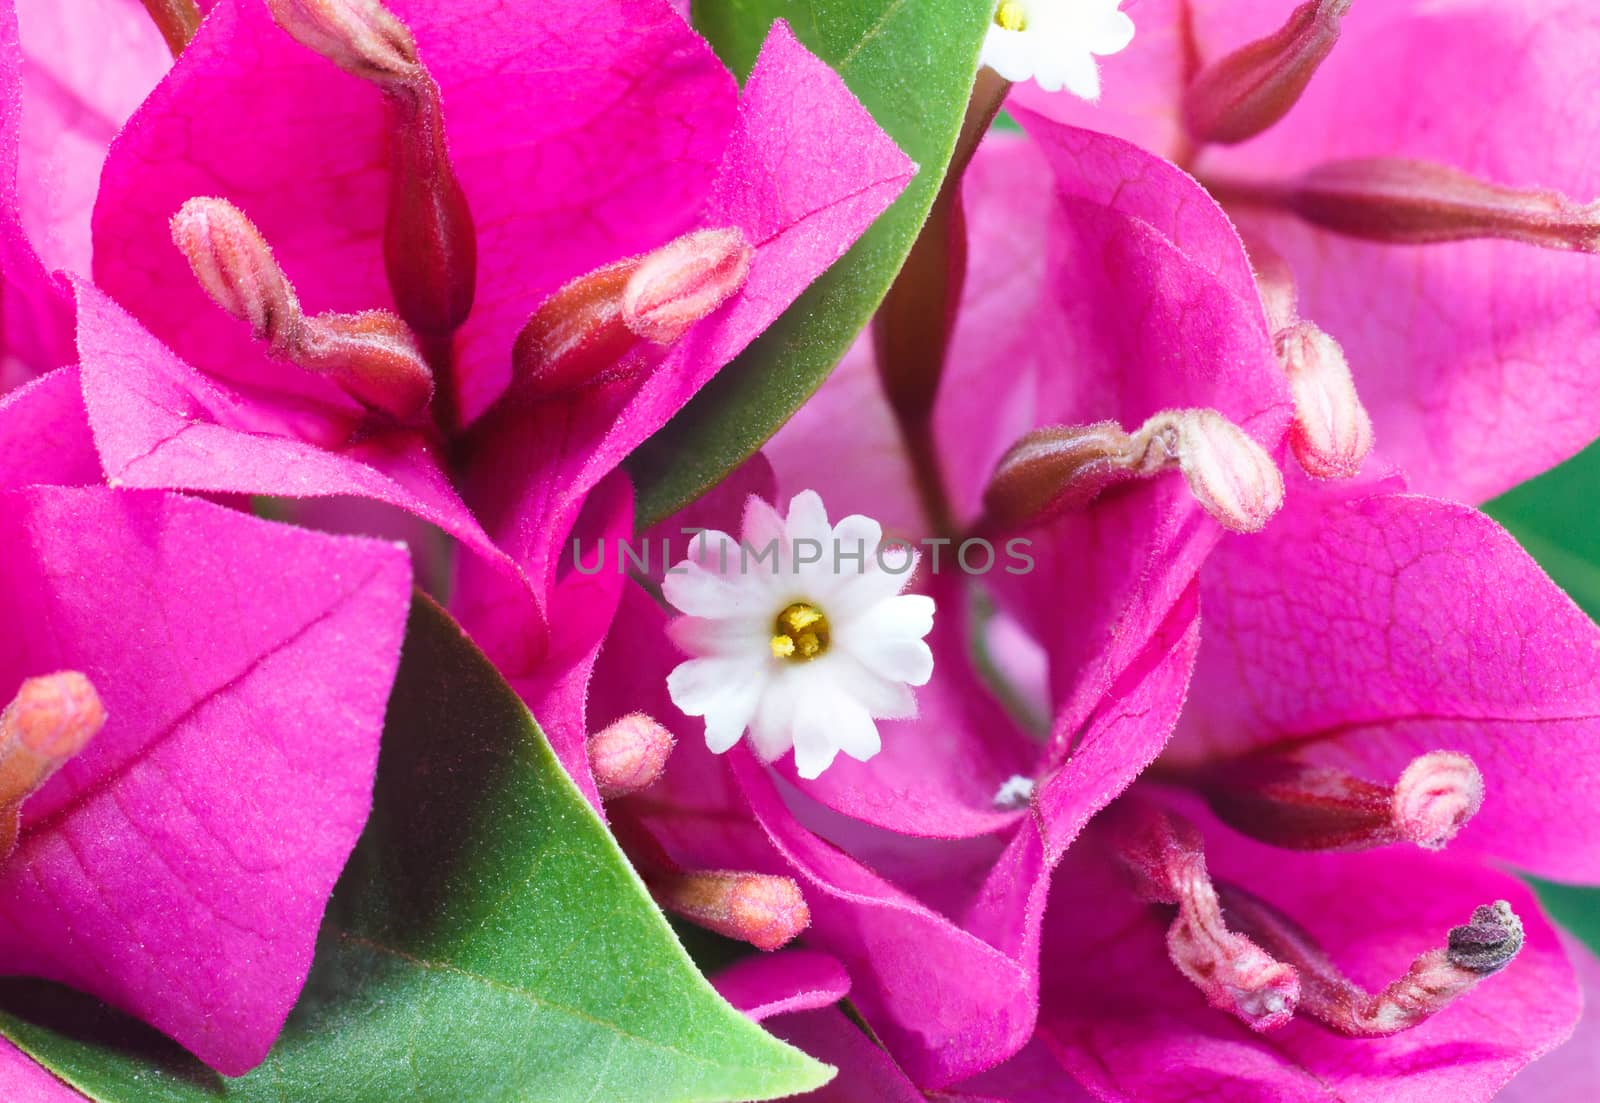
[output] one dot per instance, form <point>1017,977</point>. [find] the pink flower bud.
<point>1296,805</point>
<point>588,331</point>
<point>361,37</point>
<point>1230,475</point>
<point>1332,433</point>
<point>576,337</point>
<point>372,356</point>
<point>683,282</point>
<point>235,266</point>
<point>629,755</point>
<point>1435,796</point>
<point>1061,468</point>
<point>52,718</point>
<point>757,908</point>
<point>1414,202</point>
<point>1055,469</point>
<point>1252,88</point>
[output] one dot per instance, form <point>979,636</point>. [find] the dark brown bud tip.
<point>1489,942</point>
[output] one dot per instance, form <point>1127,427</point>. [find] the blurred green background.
<point>1556,518</point>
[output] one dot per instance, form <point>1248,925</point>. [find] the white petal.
<point>694,590</point>
<point>1113,33</point>
<point>700,686</point>
<point>772,727</point>
<point>729,637</point>
<point>814,750</point>
<point>808,519</point>
<point>909,661</point>
<point>727,721</point>
<point>763,527</point>
<point>885,699</point>
<point>1008,53</point>
<point>853,732</point>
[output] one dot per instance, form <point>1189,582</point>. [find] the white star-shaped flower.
<point>800,634</point>
<point>1054,42</point>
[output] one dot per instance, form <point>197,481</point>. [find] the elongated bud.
<point>361,37</point>
<point>1228,472</point>
<point>1255,86</point>
<point>1166,857</point>
<point>584,333</point>
<point>1057,469</point>
<point>683,282</point>
<point>1405,202</point>
<point>1332,432</point>
<point>1280,295</point>
<point>629,755</point>
<point>1052,470</point>
<point>177,20</point>
<point>235,266</point>
<point>52,718</point>
<point>1483,946</point>
<point>763,910</point>
<point>1293,804</point>
<point>430,247</point>
<point>372,356</point>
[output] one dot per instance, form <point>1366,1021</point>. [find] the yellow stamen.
<point>1011,16</point>
<point>800,633</point>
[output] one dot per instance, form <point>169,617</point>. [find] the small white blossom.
<point>800,634</point>
<point>1015,792</point>
<point>1054,42</point>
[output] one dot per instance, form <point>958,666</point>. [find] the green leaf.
<point>1554,517</point>
<point>488,942</point>
<point>911,62</point>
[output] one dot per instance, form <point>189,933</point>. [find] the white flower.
<point>1053,42</point>
<point>800,633</point>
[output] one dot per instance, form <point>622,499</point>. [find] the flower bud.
<point>1332,433</point>
<point>683,282</point>
<point>1255,86</point>
<point>1299,806</point>
<point>629,755</point>
<point>1404,202</point>
<point>372,356</point>
<point>361,37</point>
<point>235,266</point>
<point>1056,469</point>
<point>1051,470</point>
<point>1230,475</point>
<point>52,718</point>
<point>763,910</point>
<point>586,332</point>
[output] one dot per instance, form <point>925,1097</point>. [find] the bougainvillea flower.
<point>1448,252</point>
<point>1366,641</point>
<point>159,649</point>
<point>939,776</point>
<point>803,652</point>
<point>66,94</point>
<point>706,214</point>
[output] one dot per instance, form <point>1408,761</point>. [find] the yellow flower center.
<point>800,633</point>
<point>1011,16</point>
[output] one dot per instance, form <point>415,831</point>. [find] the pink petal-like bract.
<point>223,648</point>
